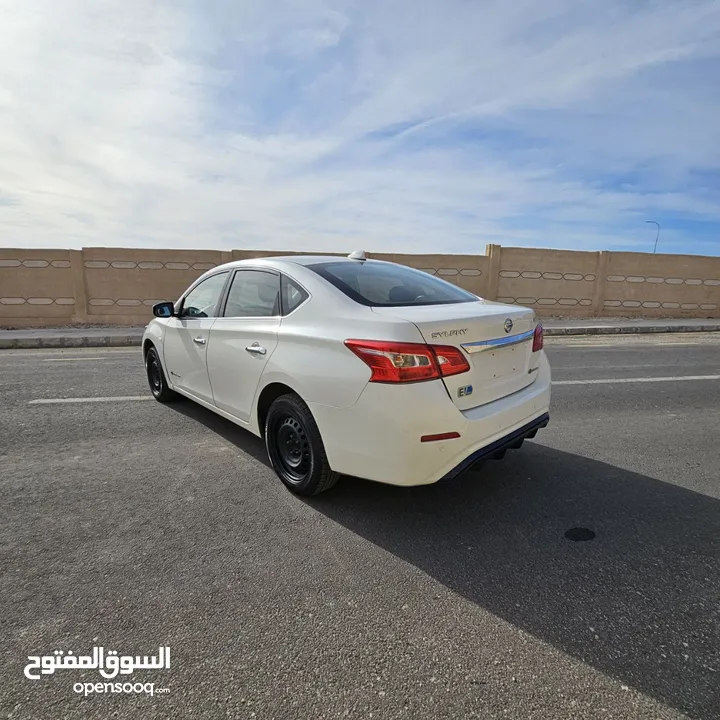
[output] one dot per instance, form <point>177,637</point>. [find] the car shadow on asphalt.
<point>638,602</point>
<point>243,439</point>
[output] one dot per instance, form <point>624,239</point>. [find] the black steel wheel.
<point>156,377</point>
<point>295,448</point>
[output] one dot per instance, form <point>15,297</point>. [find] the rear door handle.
<point>256,349</point>
<point>199,340</point>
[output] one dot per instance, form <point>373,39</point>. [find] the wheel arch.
<point>147,344</point>
<point>267,396</point>
<point>153,337</point>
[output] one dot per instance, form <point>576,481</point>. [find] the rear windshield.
<point>380,284</point>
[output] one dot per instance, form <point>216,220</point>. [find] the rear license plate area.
<point>501,363</point>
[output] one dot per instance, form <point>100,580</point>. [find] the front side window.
<point>379,284</point>
<point>202,300</point>
<point>253,293</point>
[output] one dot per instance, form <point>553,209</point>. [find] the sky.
<point>422,126</point>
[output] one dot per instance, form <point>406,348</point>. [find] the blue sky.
<point>407,126</point>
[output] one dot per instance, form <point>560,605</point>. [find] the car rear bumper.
<point>379,438</point>
<point>497,449</point>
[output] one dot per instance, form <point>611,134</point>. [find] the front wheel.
<point>295,448</point>
<point>156,378</point>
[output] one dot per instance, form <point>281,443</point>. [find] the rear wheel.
<point>156,378</point>
<point>295,448</point>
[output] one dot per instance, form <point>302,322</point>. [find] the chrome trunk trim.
<point>481,345</point>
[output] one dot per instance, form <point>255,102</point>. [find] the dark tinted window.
<point>253,293</point>
<point>292,294</point>
<point>202,300</point>
<point>385,284</point>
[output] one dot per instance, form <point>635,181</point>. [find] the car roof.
<point>312,259</point>
<point>278,261</point>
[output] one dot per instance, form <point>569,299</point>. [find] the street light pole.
<point>654,222</point>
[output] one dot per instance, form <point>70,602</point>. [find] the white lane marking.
<point>603,381</point>
<point>73,359</point>
<point>558,367</point>
<point>74,352</point>
<point>612,381</point>
<point>623,345</point>
<point>57,401</point>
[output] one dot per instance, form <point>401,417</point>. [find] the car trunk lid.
<point>496,340</point>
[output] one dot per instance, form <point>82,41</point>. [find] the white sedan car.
<point>349,366</point>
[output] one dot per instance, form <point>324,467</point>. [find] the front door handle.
<point>256,349</point>
<point>199,340</point>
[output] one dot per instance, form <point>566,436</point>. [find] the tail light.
<point>450,360</point>
<point>538,339</point>
<point>393,362</point>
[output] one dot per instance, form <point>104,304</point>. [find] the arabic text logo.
<point>108,664</point>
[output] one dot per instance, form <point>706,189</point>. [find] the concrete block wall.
<point>555,282</point>
<point>661,285</point>
<point>38,287</point>
<point>118,286</point>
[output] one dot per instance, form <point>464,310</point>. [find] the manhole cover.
<point>579,534</point>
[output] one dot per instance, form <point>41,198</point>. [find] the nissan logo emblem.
<point>508,325</point>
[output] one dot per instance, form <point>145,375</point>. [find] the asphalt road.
<point>133,525</point>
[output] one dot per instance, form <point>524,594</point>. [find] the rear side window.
<point>253,293</point>
<point>379,284</point>
<point>292,295</point>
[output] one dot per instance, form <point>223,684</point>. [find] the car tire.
<point>156,378</point>
<point>295,447</point>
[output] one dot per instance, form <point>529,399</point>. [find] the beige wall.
<point>662,285</point>
<point>119,286</point>
<point>124,283</point>
<point>556,282</point>
<point>36,287</point>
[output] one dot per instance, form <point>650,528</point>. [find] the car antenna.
<point>358,255</point>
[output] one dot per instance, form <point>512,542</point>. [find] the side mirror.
<point>164,310</point>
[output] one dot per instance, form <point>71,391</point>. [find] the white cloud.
<point>244,124</point>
